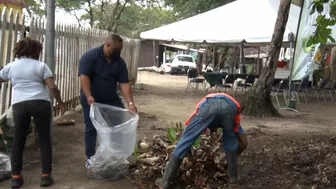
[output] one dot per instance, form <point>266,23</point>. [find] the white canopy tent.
<point>249,20</point>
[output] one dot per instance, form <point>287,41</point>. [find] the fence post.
<point>50,46</point>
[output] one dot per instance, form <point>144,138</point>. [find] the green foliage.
<point>323,31</point>
<point>179,126</point>
<point>171,135</point>
<point>137,19</point>
<point>71,5</point>
<point>188,8</point>
<point>197,142</point>
<point>34,7</point>
<point>136,152</point>
<point>131,20</point>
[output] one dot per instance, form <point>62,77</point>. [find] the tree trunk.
<point>90,11</point>
<point>257,101</point>
<point>224,57</point>
<point>332,64</point>
<point>199,64</point>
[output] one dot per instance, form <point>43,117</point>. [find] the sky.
<point>66,18</point>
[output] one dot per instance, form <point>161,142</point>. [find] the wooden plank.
<point>83,46</point>
<point>2,39</point>
<point>79,54</point>
<point>75,68</point>
<point>44,40</point>
<point>31,27</point>
<point>59,64</point>
<point>5,88</point>
<point>2,57</point>
<point>39,36</point>
<point>57,61</point>
<point>71,67</point>
<point>21,27</point>
<point>76,60</point>
<point>11,57</point>
<point>72,64</point>
<point>70,49</point>
<point>62,75</point>
<point>16,33</point>
<point>67,56</point>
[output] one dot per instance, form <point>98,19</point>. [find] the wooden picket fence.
<point>71,43</point>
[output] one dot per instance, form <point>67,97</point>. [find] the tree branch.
<point>77,18</point>
<point>116,20</point>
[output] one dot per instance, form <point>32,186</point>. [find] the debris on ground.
<point>66,122</point>
<point>5,167</point>
<point>270,161</point>
<point>152,69</point>
<point>205,165</point>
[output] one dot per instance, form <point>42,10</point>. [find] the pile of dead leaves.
<point>204,167</point>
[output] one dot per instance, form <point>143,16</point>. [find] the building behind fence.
<point>71,43</point>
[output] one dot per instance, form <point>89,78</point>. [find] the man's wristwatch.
<point>130,103</point>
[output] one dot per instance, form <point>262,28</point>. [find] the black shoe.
<point>17,181</point>
<point>46,180</point>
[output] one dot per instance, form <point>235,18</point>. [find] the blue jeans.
<point>216,112</point>
<point>90,131</point>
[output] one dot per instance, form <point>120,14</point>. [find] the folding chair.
<point>321,89</point>
<point>282,88</point>
<point>332,90</point>
<point>302,89</point>
<point>193,79</point>
<point>228,82</point>
<point>249,81</point>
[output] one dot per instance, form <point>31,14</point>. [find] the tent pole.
<point>214,55</point>
<point>154,54</point>
<point>292,58</point>
<point>241,56</point>
<point>258,61</point>
<point>291,39</point>
<point>297,34</point>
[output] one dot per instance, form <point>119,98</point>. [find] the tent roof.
<point>242,20</point>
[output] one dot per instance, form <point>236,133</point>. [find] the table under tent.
<point>240,28</point>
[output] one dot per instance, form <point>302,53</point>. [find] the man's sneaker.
<point>88,163</point>
<point>17,181</point>
<point>46,180</point>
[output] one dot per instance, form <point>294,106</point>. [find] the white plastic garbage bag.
<point>5,167</point>
<point>116,130</point>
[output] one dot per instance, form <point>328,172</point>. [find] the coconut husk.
<point>203,167</point>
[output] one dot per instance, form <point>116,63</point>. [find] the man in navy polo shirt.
<point>100,69</point>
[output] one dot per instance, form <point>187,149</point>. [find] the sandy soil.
<point>164,102</point>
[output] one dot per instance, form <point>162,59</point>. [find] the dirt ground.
<point>296,151</point>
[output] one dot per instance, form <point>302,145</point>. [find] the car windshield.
<point>185,59</point>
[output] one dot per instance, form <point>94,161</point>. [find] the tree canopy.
<point>131,17</point>
<point>188,8</point>
<point>323,31</point>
